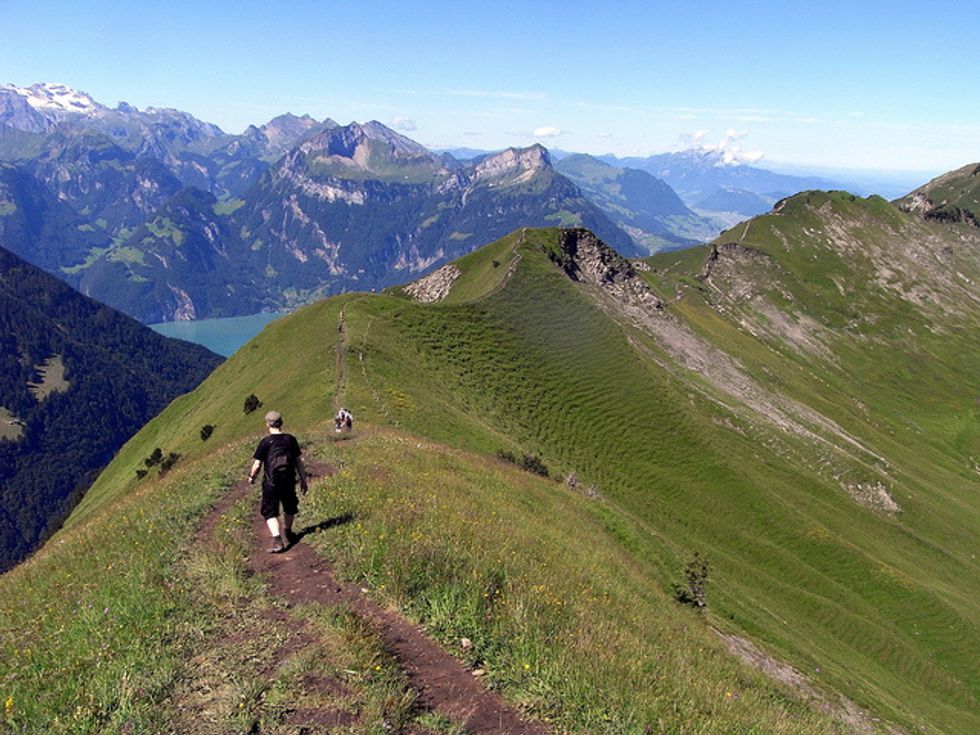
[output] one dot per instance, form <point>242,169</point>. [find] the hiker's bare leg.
<point>287,522</point>
<point>273,524</point>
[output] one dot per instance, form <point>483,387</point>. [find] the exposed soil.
<point>858,721</point>
<point>444,685</point>
<point>299,575</point>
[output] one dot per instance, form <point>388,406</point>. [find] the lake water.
<point>223,336</point>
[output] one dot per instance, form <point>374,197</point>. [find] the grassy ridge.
<point>873,605</point>
<point>877,605</point>
<point>95,627</point>
<point>124,625</point>
<point>561,617</point>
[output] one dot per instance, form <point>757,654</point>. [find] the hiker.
<point>278,454</point>
<point>343,420</point>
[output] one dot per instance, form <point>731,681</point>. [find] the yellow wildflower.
<point>8,706</point>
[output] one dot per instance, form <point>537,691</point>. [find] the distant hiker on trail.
<point>279,454</point>
<point>343,420</point>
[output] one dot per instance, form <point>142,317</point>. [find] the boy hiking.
<point>343,420</point>
<point>278,454</point>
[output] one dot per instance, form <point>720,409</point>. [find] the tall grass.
<point>95,627</point>
<point>518,577</point>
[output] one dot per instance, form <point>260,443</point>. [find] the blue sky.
<point>870,85</point>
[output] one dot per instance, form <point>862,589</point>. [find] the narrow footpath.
<point>444,685</point>
<point>341,362</point>
<point>299,575</point>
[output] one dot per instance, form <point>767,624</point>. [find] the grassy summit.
<point>796,402</point>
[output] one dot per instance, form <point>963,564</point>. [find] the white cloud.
<point>728,150</point>
<point>547,131</point>
<point>406,124</point>
<point>605,136</point>
<point>698,136</point>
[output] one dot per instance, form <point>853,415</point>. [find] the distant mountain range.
<point>166,217</point>
<point>643,205</point>
<point>697,174</point>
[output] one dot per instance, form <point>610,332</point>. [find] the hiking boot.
<point>277,546</point>
<point>291,538</point>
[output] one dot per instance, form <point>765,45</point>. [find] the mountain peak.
<point>514,160</point>
<point>284,131</point>
<point>49,97</point>
<point>289,119</point>
<point>399,143</point>
<point>367,146</point>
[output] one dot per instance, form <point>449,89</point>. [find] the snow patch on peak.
<point>56,98</point>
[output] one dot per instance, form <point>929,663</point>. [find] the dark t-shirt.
<point>287,442</point>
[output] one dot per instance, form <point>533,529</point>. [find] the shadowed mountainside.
<point>78,380</point>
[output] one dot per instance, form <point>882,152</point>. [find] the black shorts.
<point>272,496</point>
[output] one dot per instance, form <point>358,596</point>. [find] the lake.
<point>223,336</point>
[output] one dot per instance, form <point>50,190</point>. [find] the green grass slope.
<point>797,403</point>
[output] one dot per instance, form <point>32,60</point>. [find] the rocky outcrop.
<point>952,215</point>
<point>873,495</point>
<point>585,258</point>
<point>435,286</point>
<point>950,198</point>
<point>730,252</point>
<point>519,163</point>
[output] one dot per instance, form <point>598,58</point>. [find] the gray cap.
<point>274,419</point>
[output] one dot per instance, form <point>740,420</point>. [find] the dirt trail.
<point>341,362</point>
<point>300,575</point>
<point>443,684</point>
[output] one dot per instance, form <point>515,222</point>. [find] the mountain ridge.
<point>301,232</point>
<point>794,401</point>
<point>302,208</point>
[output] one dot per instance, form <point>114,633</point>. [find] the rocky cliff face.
<point>585,258</point>
<point>15,112</point>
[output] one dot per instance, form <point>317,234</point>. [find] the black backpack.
<point>279,463</point>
